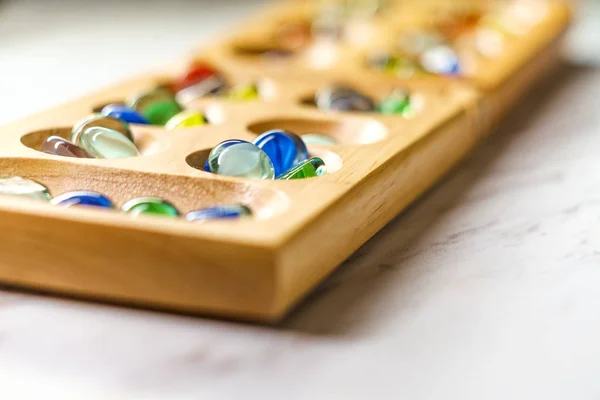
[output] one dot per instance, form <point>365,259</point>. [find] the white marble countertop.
<point>487,288</point>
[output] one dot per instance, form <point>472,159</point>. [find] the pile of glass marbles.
<point>17,186</point>
<point>164,105</point>
<point>275,154</point>
<point>343,98</point>
<point>450,45</point>
<point>108,135</point>
<point>97,136</point>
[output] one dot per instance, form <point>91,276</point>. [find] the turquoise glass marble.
<point>284,148</point>
<point>150,205</point>
<point>343,98</point>
<point>317,139</point>
<point>17,186</point>
<point>82,198</point>
<point>97,120</point>
<point>219,148</point>
<point>124,113</point>
<point>240,159</point>
<point>107,143</point>
<point>228,211</point>
<point>309,169</point>
<point>440,60</point>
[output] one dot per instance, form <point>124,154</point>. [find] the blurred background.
<point>53,51</point>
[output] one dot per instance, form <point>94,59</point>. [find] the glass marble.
<point>227,211</point>
<point>398,103</point>
<point>60,147</point>
<point>107,143</point>
<point>157,106</point>
<point>243,92</point>
<point>401,66</point>
<point>343,98</point>
<point>211,85</point>
<point>240,159</point>
<point>308,169</point>
<point>199,81</point>
<point>124,113</point>
<point>217,148</point>
<point>186,119</point>
<point>150,205</point>
<point>100,121</point>
<point>440,60</point>
<point>195,75</point>
<point>82,198</point>
<point>284,148</point>
<point>317,139</point>
<point>17,186</point>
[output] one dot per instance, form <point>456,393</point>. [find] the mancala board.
<point>258,267</point>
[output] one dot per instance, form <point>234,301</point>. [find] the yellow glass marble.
<point>186,119</point>
<point>243,92</point>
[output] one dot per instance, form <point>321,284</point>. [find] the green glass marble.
<point>101,121</point>
<point>401,66</point>
<point>240,159</point>
<point>17,186</point>
<point>398,103</point>
<point>309,169</point>
<point>107,143</point>
<point>150,205</point>
<point>158,106</point>
<point>317,139</point>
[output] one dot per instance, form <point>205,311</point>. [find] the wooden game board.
<point>256,267</point>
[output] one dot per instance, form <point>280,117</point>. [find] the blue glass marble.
<point>441,60</point>
<point>82,198</point>
<point>124,113</point>
<point>284,148</point>
<point>219,212</point>
<point>207,166</point>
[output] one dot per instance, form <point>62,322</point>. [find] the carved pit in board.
<point>333,161</point>
<point>347,131</point>
<point>378,94</point>
<point>148,141</point>
<point>185,192</point>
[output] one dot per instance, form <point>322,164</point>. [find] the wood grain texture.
<point>252,268</point>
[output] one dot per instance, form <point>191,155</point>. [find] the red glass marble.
<point>196,74</point>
